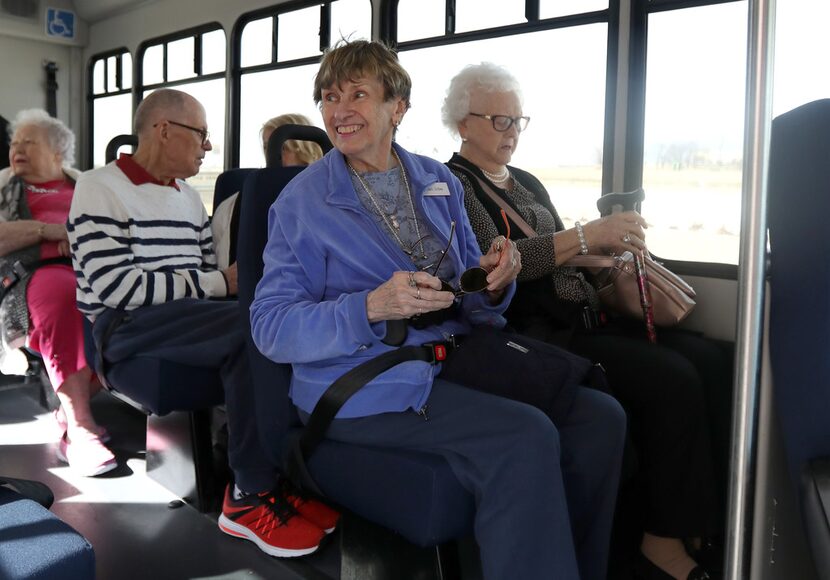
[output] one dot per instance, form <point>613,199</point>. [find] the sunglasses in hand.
<point>471,280</point>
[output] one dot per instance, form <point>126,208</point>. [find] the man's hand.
<point>232,279</point>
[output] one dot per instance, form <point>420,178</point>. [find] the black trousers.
<point>665,388</point>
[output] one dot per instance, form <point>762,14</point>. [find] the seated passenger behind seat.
<point>662,386</point>
<point>352,242</point>
<point>293,153</point>
<point>40,310</point>
<point>147,273</point>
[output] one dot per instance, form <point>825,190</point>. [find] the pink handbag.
<point>616,282</point>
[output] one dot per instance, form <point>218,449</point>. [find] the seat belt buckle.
<point>439,351</point>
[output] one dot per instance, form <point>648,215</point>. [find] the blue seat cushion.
<point>161,386</point>
<point>34,543</point>
<point>415,494</point>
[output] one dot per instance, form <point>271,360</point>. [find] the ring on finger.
<point>412,279</point>
<point>418,295</point>
<point>626,238</point>
<point>513,262</point>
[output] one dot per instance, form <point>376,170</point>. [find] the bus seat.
<point>117,143</point>
<point>34,543</point>
<point>413,494</point>
<point>798,208</point>
<point>178,400</point>
<point>228,183</point>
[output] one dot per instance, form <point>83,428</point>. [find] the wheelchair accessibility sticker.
<point>60,23</point>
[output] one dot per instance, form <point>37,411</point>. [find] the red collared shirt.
<point>137,174</point>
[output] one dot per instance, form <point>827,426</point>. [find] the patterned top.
<point>539,253</point>
<point>139,244</point>
<point>390,193</point>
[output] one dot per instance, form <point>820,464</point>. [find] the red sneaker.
<point>271,523</point>
<point>315,511</point>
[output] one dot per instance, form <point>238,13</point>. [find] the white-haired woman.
<point>661,386</point>
<point>39,308</point>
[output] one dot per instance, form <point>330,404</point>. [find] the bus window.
<point>202,77</point>
<point>554,8</point>
<point>562,145</point>
<point>110,101</point>
<point>420,19</point>
<point>694,118</point>
<point>480,14</point>
<point>287,86</point>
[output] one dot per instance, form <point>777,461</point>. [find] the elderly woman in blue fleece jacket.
<point>357,240</point>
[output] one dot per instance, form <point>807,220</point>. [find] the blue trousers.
<point>202,333</point>
<point>545,493</point>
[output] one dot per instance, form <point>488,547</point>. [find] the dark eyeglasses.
<point>203,133</point>
<point>471,281</point>
<point>502,123</point>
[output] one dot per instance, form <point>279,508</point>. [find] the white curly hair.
<point>61,138</point>
<point>485,77</point>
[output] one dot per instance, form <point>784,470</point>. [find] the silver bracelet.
<point>583,245</point>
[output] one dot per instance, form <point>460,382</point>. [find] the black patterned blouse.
<point>538,253</point>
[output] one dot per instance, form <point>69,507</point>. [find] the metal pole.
<point>750,286</point>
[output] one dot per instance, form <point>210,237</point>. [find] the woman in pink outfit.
<point>38,306</point>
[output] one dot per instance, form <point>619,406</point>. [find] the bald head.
<point>161,105</point>
<point>172,135</point>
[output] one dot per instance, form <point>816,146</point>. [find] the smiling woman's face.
<point>360,122</point>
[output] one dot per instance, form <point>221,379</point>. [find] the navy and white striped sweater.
<point>138,245</point>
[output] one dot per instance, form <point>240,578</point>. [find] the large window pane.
<point>213,52</point>
<point>256,42</point>
<point>479,14</point>
<point>180,59</point>
<point>295,96</point>
<point>562,146</point>
<point>802,52</point>
<point>98,80</point>
<point>212,96</point>
<point>351,19</point>
<point>299,34</point>
<point>555,8</point>
<point>420,19</point>
<point>112,116</point>
<point>694,132</point>
<point>153,65</point>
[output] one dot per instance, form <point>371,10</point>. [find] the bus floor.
<point>124,514</point>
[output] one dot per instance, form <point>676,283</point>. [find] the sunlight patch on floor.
<point>137,488</point>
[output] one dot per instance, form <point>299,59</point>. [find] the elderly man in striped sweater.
<point>146,273</point>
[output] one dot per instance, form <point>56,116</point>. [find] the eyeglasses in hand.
<point>471,281</point>
<point>502,123</point>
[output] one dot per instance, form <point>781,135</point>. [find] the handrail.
<point>751,278</point>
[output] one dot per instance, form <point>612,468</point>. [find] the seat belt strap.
<point>20,271</point>
<point>304,444</point>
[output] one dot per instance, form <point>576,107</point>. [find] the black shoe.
<point>645,569</point>
<point>709,555</point>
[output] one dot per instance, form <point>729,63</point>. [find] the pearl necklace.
<point>500,177</point>
<point>391,220</point>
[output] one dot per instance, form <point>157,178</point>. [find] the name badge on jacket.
<point>437,189</point>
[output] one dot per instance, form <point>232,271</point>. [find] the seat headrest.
<point>273,155</point>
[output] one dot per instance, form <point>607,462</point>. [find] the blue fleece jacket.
<point>324,255</point>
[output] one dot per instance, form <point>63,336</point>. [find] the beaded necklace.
<point>500,177</point>
<point>391,220</point>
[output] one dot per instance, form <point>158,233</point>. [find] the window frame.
<point>237,71</point>
<point>92,96</point>
<point>636,118</point>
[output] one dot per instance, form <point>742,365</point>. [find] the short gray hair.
<point>485,77</point>
<point>61,138</point>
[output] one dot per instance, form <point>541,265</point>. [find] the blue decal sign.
<point>60,23</point>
